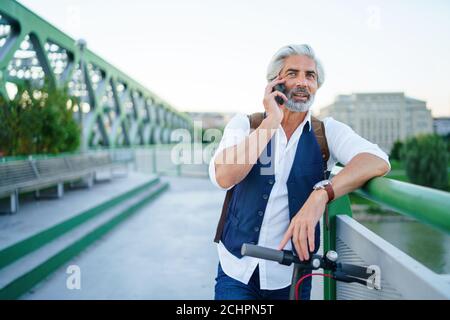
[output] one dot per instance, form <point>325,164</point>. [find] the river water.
<point>426,244</point>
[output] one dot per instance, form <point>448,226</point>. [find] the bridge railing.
<point>402,276</point>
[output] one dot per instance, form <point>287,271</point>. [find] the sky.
<point>202,55</point>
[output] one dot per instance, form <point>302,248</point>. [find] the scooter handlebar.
<point>262,253</point>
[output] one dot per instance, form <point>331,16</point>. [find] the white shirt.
<point>343,144</point>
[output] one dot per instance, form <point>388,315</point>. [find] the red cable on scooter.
<point>299,282</point>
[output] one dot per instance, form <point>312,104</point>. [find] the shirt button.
<point>265,196</point>
<point>256,229</point>
<point>271,181</point>
<point>260,213</point>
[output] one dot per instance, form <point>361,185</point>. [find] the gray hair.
<point>277,62</point>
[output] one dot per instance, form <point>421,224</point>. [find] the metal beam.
<point>42,35</point>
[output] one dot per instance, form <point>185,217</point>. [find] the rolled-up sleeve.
<point>344,143</point>
<point>235,131</point>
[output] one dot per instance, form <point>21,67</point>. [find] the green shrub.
<point>38,121</point>
<point>426,159</point>
<point>396,150</point>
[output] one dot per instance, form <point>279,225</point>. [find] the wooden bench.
<point>36,174</point>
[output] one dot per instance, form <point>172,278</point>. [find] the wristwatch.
<point>325,185</point>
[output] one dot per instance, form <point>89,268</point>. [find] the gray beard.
<point>300,106</point>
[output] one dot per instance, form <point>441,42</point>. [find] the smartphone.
<point>282,88</point>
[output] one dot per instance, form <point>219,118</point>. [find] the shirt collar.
<point>305,121</point>
<point>299,129</point>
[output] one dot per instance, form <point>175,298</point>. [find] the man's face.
<point>301,82</point>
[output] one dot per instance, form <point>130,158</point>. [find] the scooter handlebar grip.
<point>252,250</point>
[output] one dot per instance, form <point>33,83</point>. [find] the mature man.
<point>277,175</point>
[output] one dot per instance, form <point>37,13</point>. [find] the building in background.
<point>442,126</point>
<point>216,120</point>
<point>381,118</point>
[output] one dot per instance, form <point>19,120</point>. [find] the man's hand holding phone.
<point>275,91</point>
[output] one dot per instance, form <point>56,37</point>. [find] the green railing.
<point>114,109</point>
<point>429,206</point>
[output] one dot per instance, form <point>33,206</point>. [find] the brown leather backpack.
<point>255,120</point>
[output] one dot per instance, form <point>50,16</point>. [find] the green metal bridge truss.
<point>114,109</point>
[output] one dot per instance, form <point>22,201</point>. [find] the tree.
<point>426,159</point>
<point>38,121</point>
<point>447,139</point>
<point>396,150</point>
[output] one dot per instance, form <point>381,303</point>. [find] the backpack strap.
<point>319,131</point>
<point>223,215</point>
<point>255,120</point>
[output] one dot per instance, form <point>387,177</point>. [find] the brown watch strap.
<point>330,192</point>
